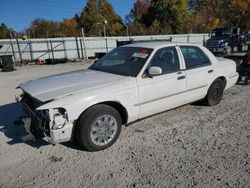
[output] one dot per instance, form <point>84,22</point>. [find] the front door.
<point>166,91</point>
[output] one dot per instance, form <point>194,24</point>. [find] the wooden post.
<point>81,48</point>
<point>31,51</point>
<point>19,50</point>
<point>64,48</point>
<point>77,48</point>
<point>13,50</point>
<point>107,48</point>
<point>51,49</point>
<point>84,44</point>
<point>47,41</point>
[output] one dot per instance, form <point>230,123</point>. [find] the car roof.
<point>156,45</point>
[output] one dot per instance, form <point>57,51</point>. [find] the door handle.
<point>210,71</point>
<point>181,77</point>
<point>179,72</point>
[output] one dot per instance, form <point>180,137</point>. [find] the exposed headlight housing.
<point>59,118</point>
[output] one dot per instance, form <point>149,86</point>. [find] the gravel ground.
<point>191,146</point>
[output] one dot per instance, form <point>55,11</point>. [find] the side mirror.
<point>154,71</point>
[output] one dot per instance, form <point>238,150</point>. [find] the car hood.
<point>61,85</point>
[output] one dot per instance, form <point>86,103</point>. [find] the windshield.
<point>220,33</point>
<point>125,61</point>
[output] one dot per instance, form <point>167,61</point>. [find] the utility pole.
<point>127,30</point>
<point>105,34</point>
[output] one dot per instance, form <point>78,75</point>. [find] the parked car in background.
<point>226,40</point>
<point>129,83</point>
<point>244,69</point>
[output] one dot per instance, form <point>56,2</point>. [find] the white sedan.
<point>129,83</point>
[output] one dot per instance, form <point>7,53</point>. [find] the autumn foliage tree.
<point>4,31</point>
<point>41,28</point>
<point>134,20</point>
<point>171,14</point>
<point>95,16</point>
<point>69,27</point>
<point>240,10</point>
<point>146,17</point>
<point>212,14</point>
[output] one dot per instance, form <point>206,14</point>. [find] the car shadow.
<point>9,113</point>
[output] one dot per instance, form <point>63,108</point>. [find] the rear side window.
<point>194,57</point>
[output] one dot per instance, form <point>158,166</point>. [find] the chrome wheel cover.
<point>103,130</point>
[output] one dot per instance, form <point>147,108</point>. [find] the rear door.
<point>199,72</point>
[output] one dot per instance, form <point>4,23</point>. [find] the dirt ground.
<point>191,146</point>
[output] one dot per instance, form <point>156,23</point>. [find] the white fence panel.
<point>72,47</point>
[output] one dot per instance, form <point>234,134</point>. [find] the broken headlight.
<point>59,118</point>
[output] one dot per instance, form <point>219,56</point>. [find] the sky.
<point>18,14</point>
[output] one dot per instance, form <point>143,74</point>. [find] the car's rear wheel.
<point>99,127</point>
<point>215,93</point>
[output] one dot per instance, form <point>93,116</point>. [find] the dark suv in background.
<point>244,68</point>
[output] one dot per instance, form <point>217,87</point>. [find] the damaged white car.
<point>129,83</point>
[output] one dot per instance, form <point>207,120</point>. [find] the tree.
<point>4,31</point>
<point>140,8</point>
<point>212,14</point>
<point>134,20</point>
<point>41,28</point>
<point>95,16</point>
<point>238,13</point>
<point>69,27</point>
<point>172,15</point>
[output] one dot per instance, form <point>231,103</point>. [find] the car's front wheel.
<point>215,93</point>
<point>99,127</point>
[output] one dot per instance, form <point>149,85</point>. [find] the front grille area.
<point>39,120</point>
<point>31,102</point>
<point>213,44</point>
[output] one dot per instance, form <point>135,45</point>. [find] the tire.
<point>215,93</point>
<point>98,128</point>
<point>239,79</point>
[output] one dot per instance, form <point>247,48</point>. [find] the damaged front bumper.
<point>52,124</point>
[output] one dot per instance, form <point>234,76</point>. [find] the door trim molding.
<point>156,99</point>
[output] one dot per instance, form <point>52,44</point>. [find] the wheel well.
<point>120,108</point>
<point>223,80</point>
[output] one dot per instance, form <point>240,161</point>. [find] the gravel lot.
<point>191,146</point>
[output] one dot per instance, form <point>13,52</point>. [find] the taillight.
<point>246,62</point>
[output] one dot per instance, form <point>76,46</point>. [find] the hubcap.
<point>103,130</point>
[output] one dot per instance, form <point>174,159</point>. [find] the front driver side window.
<point>167,59</point>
